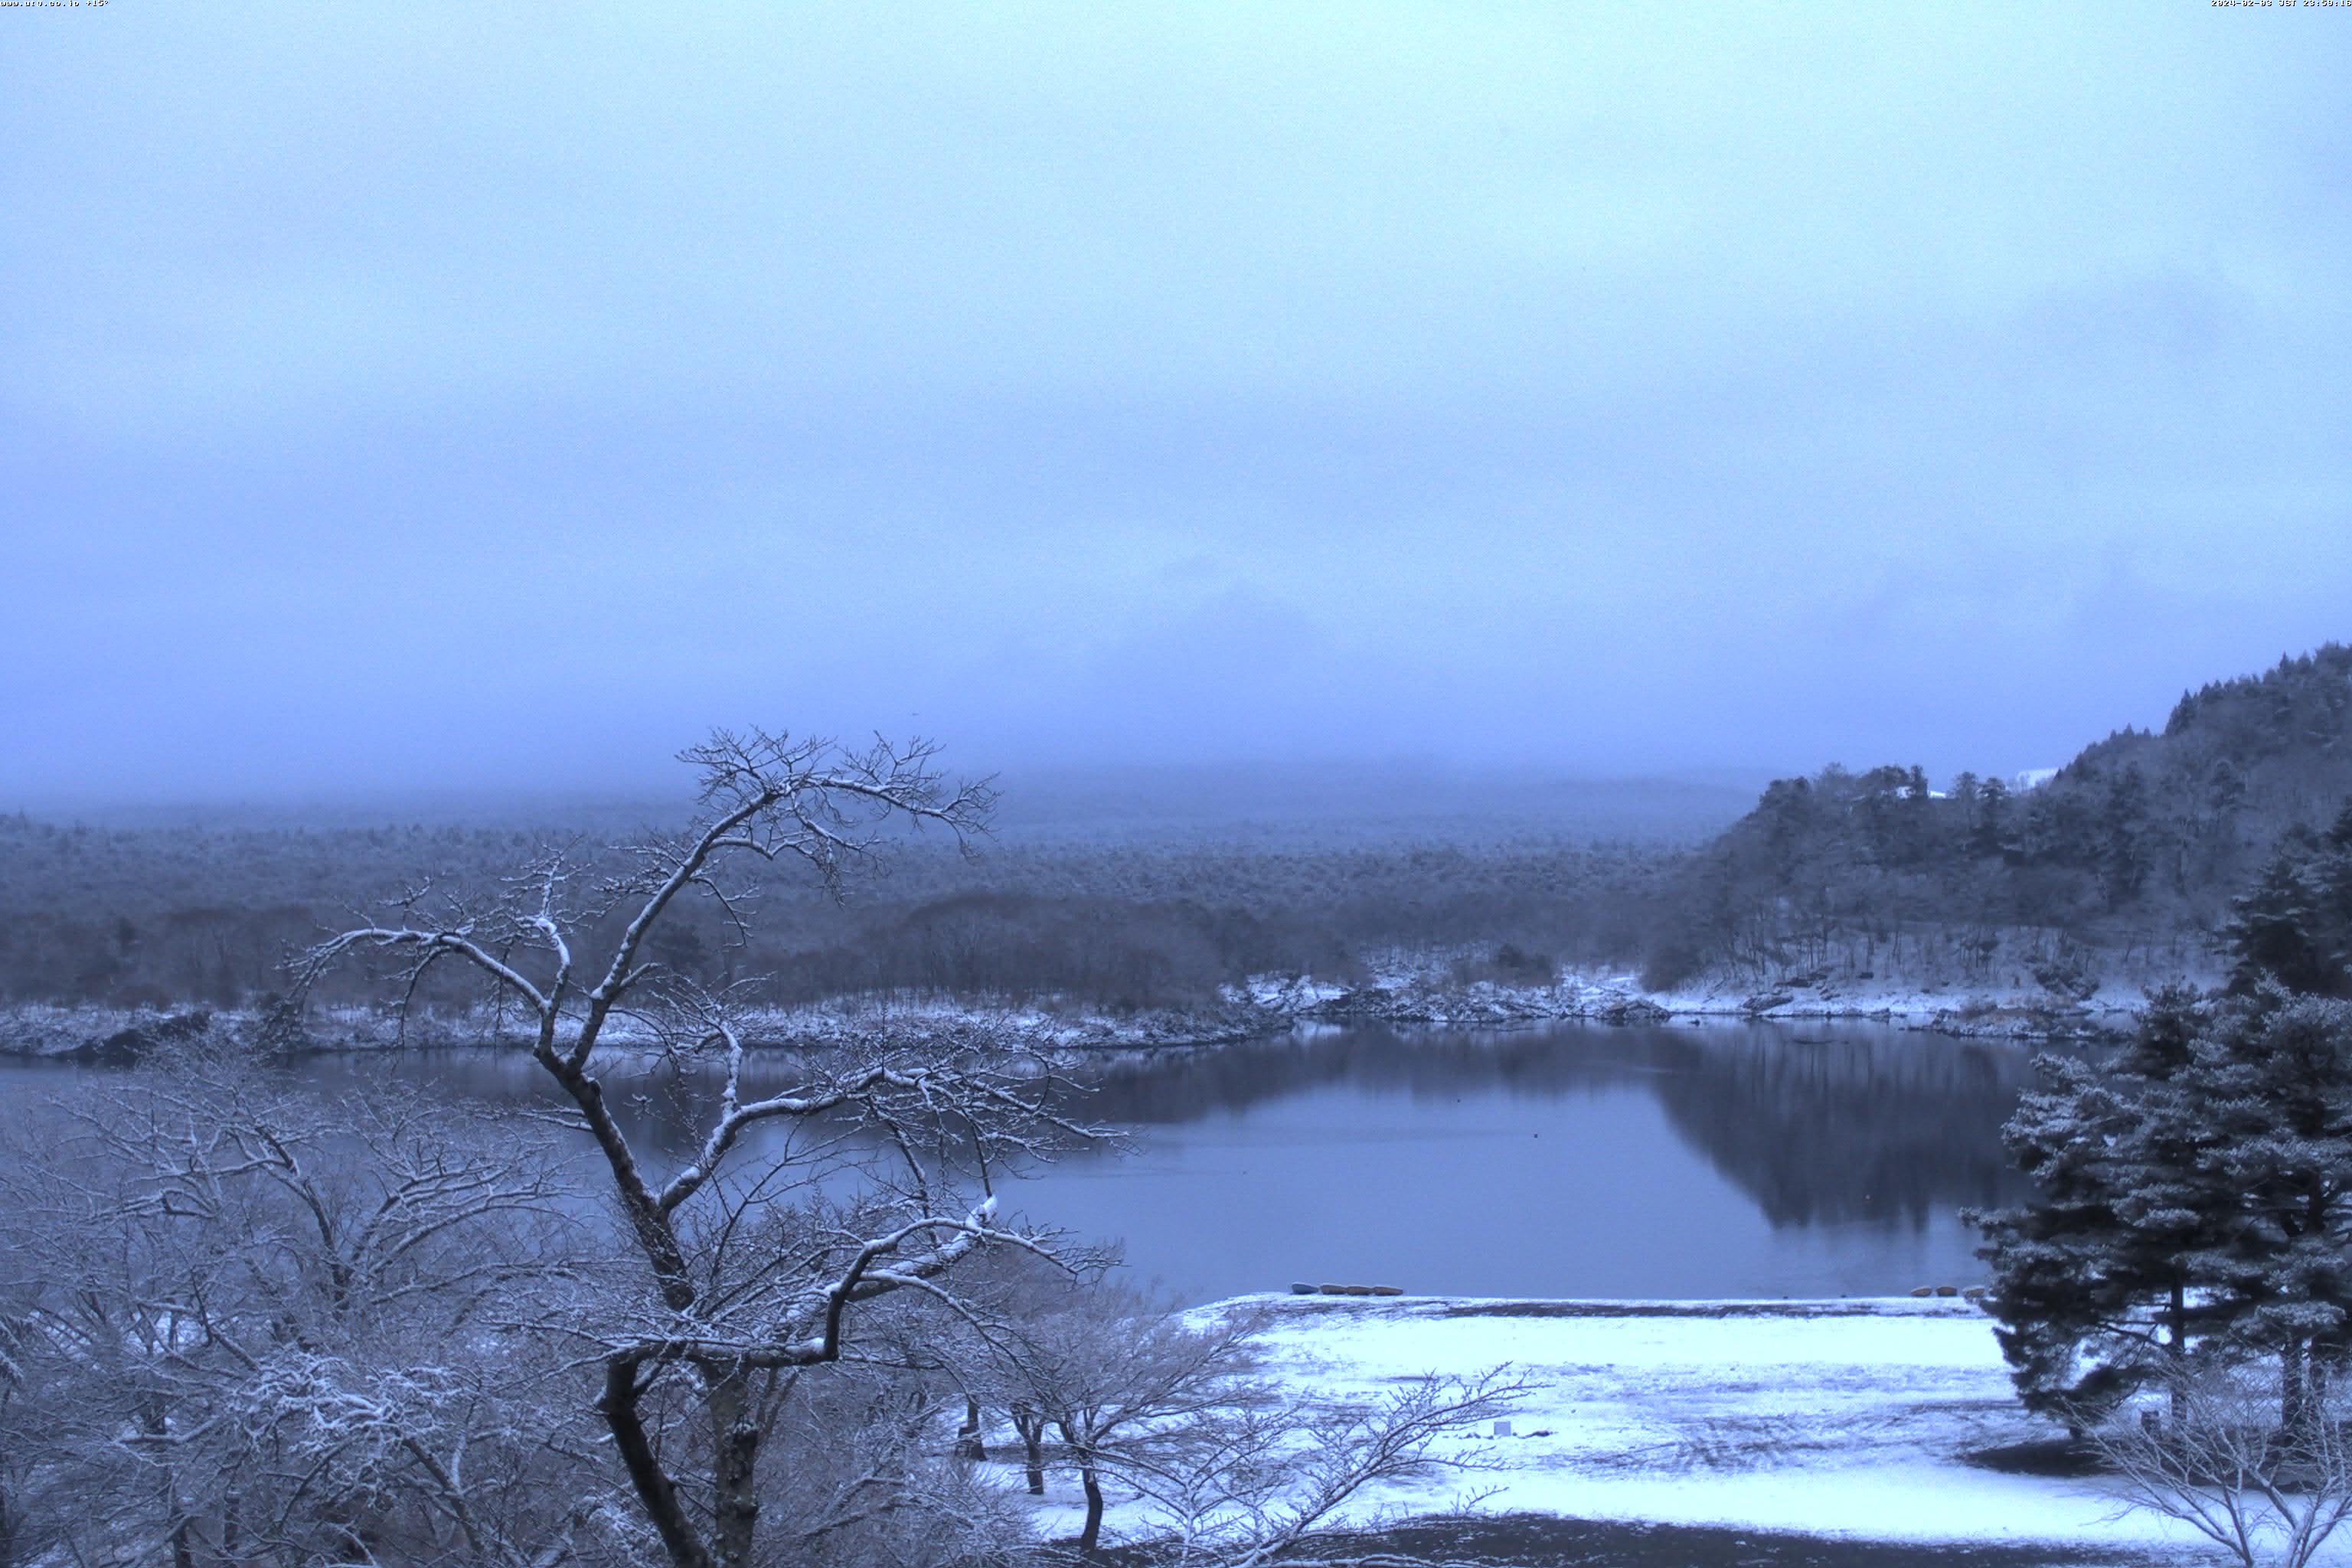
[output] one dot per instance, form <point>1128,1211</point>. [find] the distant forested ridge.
<point>170,917</point>
<point>2125,866</point>
<point>2132,854</point>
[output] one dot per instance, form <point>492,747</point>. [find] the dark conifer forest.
<point>2132,853</point>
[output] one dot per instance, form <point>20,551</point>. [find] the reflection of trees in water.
<point>1826,1126</point>
<point>1823,1128</point>
<point>1178,1086</point>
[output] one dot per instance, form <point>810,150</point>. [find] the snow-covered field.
<point>1846,1417</point>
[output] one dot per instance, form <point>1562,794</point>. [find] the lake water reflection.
<point>1674,1162</point>
<point>1677,1161</point>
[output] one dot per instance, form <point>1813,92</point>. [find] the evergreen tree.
<point>2332,882</point>
<point>2055,1283</point>
<point>2196,1198</point>
<point>2273,1081</point>
<point>2122,848</point>
<point>1988,830</point>
<point>2294,927</point>
<point>2094,1282</point>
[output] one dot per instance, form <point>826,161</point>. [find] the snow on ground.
<point>1419,986</point>
<point>1844,1417</point>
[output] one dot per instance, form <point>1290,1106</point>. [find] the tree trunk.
<point>655,1491</point>
<point>2294,1403</point>
<point>2176,1315</point>
<point>1092,1533</point>
<point>1031,1424</point>
<point>735,1451</point>
<point>968,1443</point>
<point>156,1422</point>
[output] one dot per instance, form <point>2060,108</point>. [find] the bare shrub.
<point>2221,1462</point>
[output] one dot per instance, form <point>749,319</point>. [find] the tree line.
<point>179,917</point>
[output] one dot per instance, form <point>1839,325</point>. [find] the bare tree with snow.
<point>1299,1482</point>
<point>874,1161</point>
<point>2221,1461</point>
<point>1221,1465</point>
<point>1133,1391</point>
<point>242,1322</point>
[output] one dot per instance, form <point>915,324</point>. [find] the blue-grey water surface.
<point>1677,1161</point>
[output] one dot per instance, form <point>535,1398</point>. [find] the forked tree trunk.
<point>1031,1424</point>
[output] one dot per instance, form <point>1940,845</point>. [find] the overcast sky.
<point>500,395</point>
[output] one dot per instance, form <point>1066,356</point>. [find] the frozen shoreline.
<point>1847,1418</point>
<point>1403,991</point>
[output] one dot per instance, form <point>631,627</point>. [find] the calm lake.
<point>1676,1161</point>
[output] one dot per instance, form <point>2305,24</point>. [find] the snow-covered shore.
<point>1844,1417</point>
<point>1424,989</point>
<point>1400,988</point>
